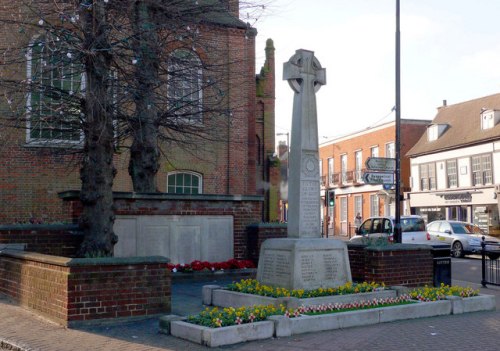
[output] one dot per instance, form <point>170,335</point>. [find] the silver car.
<point>464,238</point>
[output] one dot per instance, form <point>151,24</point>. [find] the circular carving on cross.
<point>310,166</point>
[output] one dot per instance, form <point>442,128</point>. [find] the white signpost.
<point>380,164</point>
<point>378,177</point>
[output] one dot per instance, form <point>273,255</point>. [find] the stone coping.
<point>73,228</point>
<point>75,262</point>
<point>217,296</point>
<point>75,194</point>
<point>268,225</point>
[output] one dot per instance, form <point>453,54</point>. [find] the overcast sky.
<point>450,50</point>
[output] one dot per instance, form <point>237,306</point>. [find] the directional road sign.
<point>378,177</point>
<point>380,164</point>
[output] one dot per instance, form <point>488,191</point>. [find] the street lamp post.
<point>397,222</point>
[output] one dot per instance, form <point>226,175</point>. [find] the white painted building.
<point>455,166</point>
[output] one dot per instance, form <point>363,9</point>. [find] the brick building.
<point>342,163</point>
<point>33,173</point>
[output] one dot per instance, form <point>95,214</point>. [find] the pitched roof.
<point>463,126</point>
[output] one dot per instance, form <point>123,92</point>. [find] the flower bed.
<point>252,286</point>
<point>198,266</point>
<point>442,292</point>
<point>216,327</point>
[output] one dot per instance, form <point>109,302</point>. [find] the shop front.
<point>478,206</point>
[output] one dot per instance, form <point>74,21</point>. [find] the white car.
<point>382,229</point>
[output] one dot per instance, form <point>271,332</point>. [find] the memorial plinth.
<point>304,260</point>
<point>303,263</point>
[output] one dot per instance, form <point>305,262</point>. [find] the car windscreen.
<point>412,225</point>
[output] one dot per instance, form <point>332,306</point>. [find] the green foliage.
<point>215,317</point>
<point>252,286</point>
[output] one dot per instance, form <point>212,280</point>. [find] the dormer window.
<point>489,118</point>
<point>434,131</point>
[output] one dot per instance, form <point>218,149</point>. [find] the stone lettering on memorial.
<point>304,260</point>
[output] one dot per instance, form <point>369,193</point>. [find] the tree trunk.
<point>144,152</point>
<point>97,172</point>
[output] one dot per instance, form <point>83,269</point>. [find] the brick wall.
<point>31,177</point>
<point>357,262</point>
<point>244,209</point>
<point>378,136</point>
<point>258,233</point>
<point>75,291</point>
<point>397,264</point>
<point>57,240</point>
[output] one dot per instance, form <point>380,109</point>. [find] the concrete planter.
<point>281,326</point>
<point>213,337</point>
<point>226,298</point>
<point>472,304</point>
<point>305,324</point>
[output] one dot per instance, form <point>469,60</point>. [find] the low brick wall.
<point>245,209</point>
<point>357,262</point>
<point>258,233</point>
<point>49,239</point>
<point>396,264</point>
<point>82,290</point>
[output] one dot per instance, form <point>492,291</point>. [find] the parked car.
<point>464,238</point>
<point>382,228</point>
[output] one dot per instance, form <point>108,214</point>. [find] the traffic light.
<point>331,198</point>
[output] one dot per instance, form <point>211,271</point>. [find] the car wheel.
<point>457,249</point>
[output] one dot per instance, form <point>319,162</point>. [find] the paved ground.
<point>22,330</point>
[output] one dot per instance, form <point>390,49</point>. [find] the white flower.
<point>174,270</point>
<point>40,22</point>
<point>134,61</point>
<point>69,55</point>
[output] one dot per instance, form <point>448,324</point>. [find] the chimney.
<point>444,103</point>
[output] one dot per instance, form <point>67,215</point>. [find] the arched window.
<point>185,85</point>
<point>182,182</point>
<point>54,100</point>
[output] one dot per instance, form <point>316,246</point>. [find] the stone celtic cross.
<point>305,76</point>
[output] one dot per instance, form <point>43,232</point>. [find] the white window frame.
<point>482,169</point>
<point>374,152</point>
<point>390,150</point>
<point>358,205</point>
<point>452,173</point>
<point>343,168</point>
<point>188,91</point>
<point>487,119</point>
<point>190,173</point>
<point>374,205</point>
<point>432,132</point>
<point>358,156</point>
<point>331,170</point>
<point>427,176</point>
<point>30,108</point>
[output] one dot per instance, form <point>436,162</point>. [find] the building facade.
<point>455,166</point>
<point>342,165</point>
<point>236,159</point>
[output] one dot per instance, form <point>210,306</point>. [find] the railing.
<point>490,253</point>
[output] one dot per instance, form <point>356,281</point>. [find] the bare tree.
<point>86,76</point>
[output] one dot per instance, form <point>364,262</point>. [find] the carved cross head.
<point>304,67</point>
